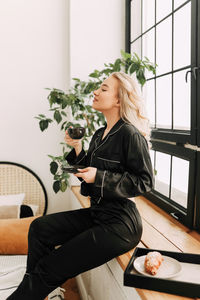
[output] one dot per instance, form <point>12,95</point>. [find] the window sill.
<point>160,231</point>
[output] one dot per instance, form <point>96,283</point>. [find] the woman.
<point>117,168</point>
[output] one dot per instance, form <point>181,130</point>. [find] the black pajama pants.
<point>65,244</point>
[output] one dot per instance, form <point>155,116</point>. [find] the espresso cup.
<point>76,132</point>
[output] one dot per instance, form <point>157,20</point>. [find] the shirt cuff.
<point>72,159</point>
<point>99,181</point>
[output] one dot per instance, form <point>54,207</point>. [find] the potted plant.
<point>77,99</point>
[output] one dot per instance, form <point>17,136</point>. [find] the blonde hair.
<point>132,105</point>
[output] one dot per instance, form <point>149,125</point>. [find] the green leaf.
<point>52,157</point>
<point>49,120</point>
<point>146,58</point>
<point>42,116</point>
<point>65,101</point>
<point>65,176</point>
<point>62,126</point>
<point>63,186</point>
<point>55,108</point>
<point>137,56</point>
<point>133,68</point>
<point>56,186</point>
<point>95,74</point>
<point>141,77</point>
<point>117,65</point>
<point>57,116</point>
<point>56,177</point>
<point>53,167</point>
<point>43,124</point>
<point>64,113</point>
<point>125,55</point>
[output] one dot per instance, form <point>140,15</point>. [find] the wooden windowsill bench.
<point>160,231</point>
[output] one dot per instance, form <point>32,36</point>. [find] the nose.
<point>96,92</point>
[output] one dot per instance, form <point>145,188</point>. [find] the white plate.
<point>169,267</point>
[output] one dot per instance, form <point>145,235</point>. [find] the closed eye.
<point>103,87</point>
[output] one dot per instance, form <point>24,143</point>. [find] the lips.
<point>95,100</point>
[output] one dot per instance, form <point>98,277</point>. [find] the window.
<point>167,32</point>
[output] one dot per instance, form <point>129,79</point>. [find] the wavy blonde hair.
<point>132,105</point>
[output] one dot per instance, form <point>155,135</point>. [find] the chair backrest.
<point>16,178</point>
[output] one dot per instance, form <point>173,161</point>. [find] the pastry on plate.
<point>152,262</point>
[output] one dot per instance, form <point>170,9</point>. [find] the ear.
<point>117,104</point>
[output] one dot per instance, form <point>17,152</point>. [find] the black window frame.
<point>172,141</point>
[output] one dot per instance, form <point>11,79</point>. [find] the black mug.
<point>76,133</point>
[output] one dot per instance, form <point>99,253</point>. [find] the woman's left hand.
<point>87,174</point>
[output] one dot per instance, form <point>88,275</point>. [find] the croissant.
<point>152,262</point>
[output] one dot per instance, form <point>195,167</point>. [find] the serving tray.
<point>186,283</point>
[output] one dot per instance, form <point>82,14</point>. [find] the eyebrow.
<point>105,85</point>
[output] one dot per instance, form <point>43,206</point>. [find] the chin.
<point>95,106</point>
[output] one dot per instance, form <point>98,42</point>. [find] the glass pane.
<point>163,8</point>
<point>182,37</point>
<point>149,96</point>
<point>135,19</point>
<point>177,3</point>
<point>148,48</point>
<point>162,177</point>
<point>148,18</point>
<point>179,184</point>
<point>136,47</point>
<point>164,46</point>
<point>163,102</point>
<point>182,101</point>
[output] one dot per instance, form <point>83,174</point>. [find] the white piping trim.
<point>110,160</point>
<point>97,148</point>
<point>116,130</point>
<point>104,140</point>
<point>104,173</point>
<point>96,141</point>
<point>81,158</point>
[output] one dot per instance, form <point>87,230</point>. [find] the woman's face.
<point>106,97</point>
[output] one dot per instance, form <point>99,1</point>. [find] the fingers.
<point>87,174</point>
<point>69,141</point>
<point>82,175</point>
<point>83,170</point>
<point>78,175</point>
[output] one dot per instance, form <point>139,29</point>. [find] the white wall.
<point>34,54</point>
<point>41,41</point>
<point>97,34</point>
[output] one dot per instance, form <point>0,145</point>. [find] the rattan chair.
<point>16,178</point>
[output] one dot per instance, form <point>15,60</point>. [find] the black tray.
<point>172,286</point>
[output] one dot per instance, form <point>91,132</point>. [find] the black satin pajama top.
<point>122,160</point>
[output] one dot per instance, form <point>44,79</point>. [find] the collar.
<point>116,127</point>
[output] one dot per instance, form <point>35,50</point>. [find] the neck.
<point>111,120</point>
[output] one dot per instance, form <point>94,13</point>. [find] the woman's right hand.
<point>77,144</point>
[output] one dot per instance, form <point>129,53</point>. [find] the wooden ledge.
<point>160,231</point>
